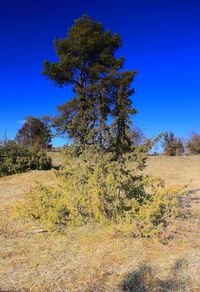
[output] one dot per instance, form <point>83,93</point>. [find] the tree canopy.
<point>100,110</point>
<point>172,146</point>
<point>34,133</point>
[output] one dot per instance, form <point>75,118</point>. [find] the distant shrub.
<point>15,159</point>
<point>194,144</point>
<point>94,188</point>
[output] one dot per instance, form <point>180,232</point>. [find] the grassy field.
<point>94,259</point>
<point>176,170</point>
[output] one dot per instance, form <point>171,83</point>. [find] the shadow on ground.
<point>144,279</point>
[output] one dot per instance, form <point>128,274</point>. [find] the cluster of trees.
<point>28,150</point>
<point>101,110</point>
<point>16,158</point>
<point>36,133</point>
<point>173,146</point>
<point>101,180</point>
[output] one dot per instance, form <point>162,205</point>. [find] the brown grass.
<point>176,170</point>
<point>94,259</point>
<point>15,186</point>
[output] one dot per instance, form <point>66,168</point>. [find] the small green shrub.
<point>16,159</point>
<point>93,187</point>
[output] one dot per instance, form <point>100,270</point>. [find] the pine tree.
<point>99,113</point>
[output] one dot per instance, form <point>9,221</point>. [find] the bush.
<point>16,159</point>
<point>94,188</point>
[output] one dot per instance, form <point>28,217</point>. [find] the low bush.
<point>15,159</point>
<point>94,188</point>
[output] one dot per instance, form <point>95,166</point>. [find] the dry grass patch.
<point>15,186</point>
<point>183,170</point>
<point>98,259</point>
<point>95,259</point>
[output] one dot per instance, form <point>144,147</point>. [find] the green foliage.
<point>94,188</point>
<point>15,159</point>
<point>194,144</point>
<point>35,133</point>
<point>102,100</point>
<point>172,146</point>
<point>160,209</point>
<point>102,181</point>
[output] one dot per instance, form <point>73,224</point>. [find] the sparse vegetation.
<point>100,258</point>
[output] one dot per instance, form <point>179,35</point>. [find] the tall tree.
<point>101,107</point>
<point>35,133</point>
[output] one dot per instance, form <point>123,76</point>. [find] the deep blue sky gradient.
<point>161,39</point>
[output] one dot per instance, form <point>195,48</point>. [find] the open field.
<point>94,259</point>
<point>176,170</point>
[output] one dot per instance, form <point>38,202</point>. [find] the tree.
<point>180,149</point>
<point>99,113</point>
<point>137,137</point>
<point>194,144</point>
<point>99,184</point>
<point>169,144</point>
<point>35,133</point>
<point>172,146</point>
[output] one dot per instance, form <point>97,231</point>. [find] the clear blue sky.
<point>161,39</point>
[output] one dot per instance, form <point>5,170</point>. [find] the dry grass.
<point>57,158</point>
<point>93,259</point>
<point>176,170</point>
<point>14,187</point>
